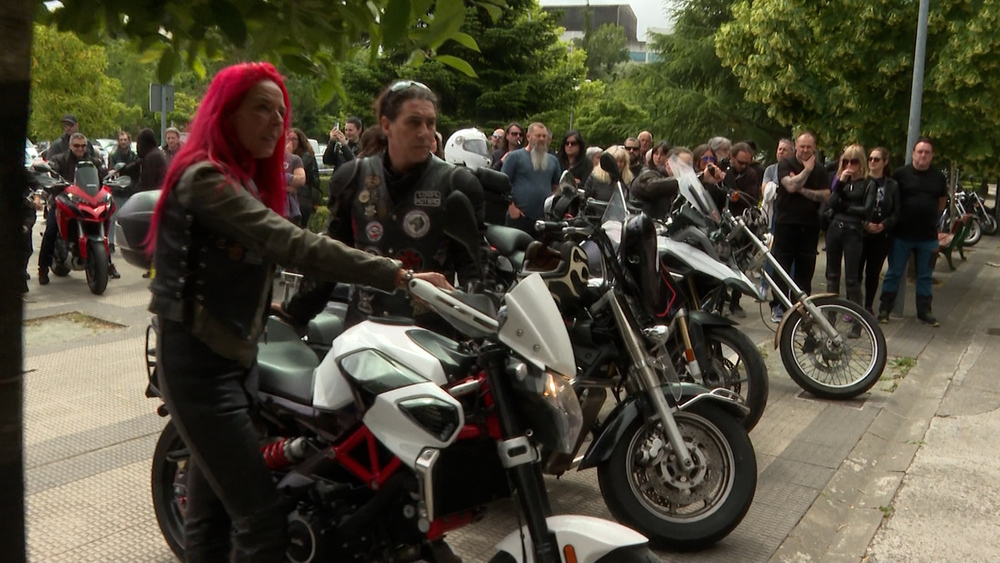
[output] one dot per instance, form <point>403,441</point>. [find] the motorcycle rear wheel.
<point>975,232</point>
<point>97,267</point>
<point>736,364</point>
<point>819,365</point>
<point>169,486</point>
<point>689,513</point>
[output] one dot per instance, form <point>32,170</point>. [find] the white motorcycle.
<point>399,434</point>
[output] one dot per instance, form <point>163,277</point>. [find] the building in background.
<point>614,12</point>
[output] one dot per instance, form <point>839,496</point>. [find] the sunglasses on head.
<point>852,161</point>
<point>404,84</point>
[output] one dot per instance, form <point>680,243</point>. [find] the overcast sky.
<point>648,13</point>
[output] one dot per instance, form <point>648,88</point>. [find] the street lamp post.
<point>917,87</point>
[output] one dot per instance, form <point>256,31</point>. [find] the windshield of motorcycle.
<point>692,190</point>
<point>87,180</point>
<point>615,214</point>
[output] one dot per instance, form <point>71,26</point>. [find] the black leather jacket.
<point>399,215</point>
<point>853,201</point>
<point>216,246</point>
<point>888,205</point>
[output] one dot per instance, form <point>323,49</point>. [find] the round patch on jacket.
<point>364,196</point>
<point>374,231</point>
<point>372,180</point>
<point>416,223</point>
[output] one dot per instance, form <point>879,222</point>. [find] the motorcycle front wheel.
<point>988,224</point>
<point>821,366</point>
<point>736,364</point>
<point>682,510</point>
<point>97,267</point>
<point>169,486</point>
<point>975,233</point>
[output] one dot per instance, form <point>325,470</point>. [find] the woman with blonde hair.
<point>851,202</point>
<point>599,185</point>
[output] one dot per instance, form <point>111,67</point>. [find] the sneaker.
<point>855,331</point>
<point>737,312</point>
<point>113,272</point>
<point>43,276</point>
<point>776,314</point>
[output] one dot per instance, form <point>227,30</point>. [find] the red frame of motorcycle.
<point>87,209</point>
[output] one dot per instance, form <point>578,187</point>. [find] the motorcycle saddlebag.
<point>496,194</point>
<point>133,226</point>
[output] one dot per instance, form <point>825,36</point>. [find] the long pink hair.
<point>213,138</point>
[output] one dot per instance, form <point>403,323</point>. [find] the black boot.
<point>924,310</point>
<point>113,272</point>
<point>43,275</point>
<point>886,301</point>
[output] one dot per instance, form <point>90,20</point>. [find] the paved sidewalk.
<point>917,449</point>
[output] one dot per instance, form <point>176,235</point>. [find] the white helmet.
<point>469,148</point>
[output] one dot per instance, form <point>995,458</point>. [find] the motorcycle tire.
<point>169,487</point>
<point>722,489</point>
<point>97,267</point>
<point>989,224</point>
<point>975,232</point>
<point>816,353</point>
<point>752,384</point>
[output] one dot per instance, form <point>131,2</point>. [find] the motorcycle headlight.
<point>549,406</point>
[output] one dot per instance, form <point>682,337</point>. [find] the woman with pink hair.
<point>216,235</point>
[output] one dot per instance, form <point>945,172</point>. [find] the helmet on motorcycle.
<point>469,148</point>
<point>564,268</point>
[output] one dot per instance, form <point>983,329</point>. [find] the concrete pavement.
<point>904,472</point>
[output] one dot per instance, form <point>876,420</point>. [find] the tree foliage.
<point>606,47</point>
<point>849,78</point>
<point>68,76</point>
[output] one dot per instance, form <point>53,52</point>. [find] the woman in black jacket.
<point>852,199</point>
<point>572,156</point>
<point>877,241</point>
<point>309,195</point>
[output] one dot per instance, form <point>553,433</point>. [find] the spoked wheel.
<point>825,367</point>
<point>169,484</point>
<point>682,509</point>
<point>734,364</point>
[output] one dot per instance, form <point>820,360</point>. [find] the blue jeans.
<point>901,250</point>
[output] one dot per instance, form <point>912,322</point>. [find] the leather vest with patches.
<point>409,229</point>
<point>198,270</point>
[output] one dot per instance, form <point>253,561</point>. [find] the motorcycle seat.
<point>507,240</point>
<point>286,364</point>
<point>325,327</point>
<point>455,360</point>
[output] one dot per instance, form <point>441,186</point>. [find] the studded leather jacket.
<point>853,201</point>
<point>216,247</point>
<point>399,215</point>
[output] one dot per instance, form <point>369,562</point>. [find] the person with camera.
<point>852,199</point>
<point>803,187</point>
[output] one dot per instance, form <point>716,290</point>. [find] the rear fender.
<point>798,306</point>
<point>632,408</point>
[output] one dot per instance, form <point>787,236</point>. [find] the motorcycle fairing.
<point>591,538</point>
<point>534,328</point>
<point>705,264</point>
<point>402,433</point>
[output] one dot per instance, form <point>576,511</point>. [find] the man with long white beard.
<point>534,176</point>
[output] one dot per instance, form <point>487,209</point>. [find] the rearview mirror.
<point>610,166</point>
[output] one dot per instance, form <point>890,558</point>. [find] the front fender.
<point>630,409</point>
<point>591,538</point>
<point>798,306</point>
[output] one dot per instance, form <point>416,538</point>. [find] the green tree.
<point>606,47</point>
<point>848,78</point>
<point>71,77</point>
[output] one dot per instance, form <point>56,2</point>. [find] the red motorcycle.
<point>83,214</point>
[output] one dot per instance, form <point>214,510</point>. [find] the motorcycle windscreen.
<point>86,178</point>
<point>693,191</point>
<point>613,220</point>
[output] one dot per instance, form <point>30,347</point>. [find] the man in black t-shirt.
<point>803,186</point>
<point>923,191</point>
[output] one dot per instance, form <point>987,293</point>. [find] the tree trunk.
<point>15,86</point>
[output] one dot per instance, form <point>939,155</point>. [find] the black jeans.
<point>233,507</point>
<point>48,248</point>
<point>844,243</point>
<point>795,245</point>
<point>874,250</point>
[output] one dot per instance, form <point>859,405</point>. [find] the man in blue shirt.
<point>534,176</point>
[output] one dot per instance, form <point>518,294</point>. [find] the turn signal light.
<point>569,554</point>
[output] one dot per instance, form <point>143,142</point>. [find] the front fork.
<point>650,381</point>
<point>800,296</point>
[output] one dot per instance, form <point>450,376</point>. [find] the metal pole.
<point>917,88</point>
<point>163,115</point>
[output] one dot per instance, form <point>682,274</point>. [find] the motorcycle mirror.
<point>462,225</point>
<point>610,166</point>
<point>41,167</point>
